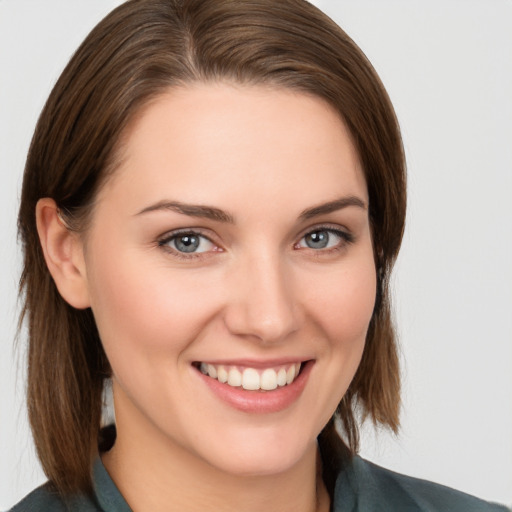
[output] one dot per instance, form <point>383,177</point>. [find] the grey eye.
<point>187,243</point>
<point>322,239</point>
<point>317,239</point>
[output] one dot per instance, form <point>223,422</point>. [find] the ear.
<point>63,252</point>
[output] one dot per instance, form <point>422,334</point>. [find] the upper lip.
<point>255,363</point>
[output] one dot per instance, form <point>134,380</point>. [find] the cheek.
<point>344,305</point>
<point>340,311</point>
<point>147,312</point>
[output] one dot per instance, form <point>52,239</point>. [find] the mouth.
<point>252,379</point>
<point>255,387</point>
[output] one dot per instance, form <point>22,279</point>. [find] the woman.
<point>213,201</point>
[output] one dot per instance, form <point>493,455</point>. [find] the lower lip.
<point>260,402</point>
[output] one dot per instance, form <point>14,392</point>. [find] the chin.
<point>260,453</point>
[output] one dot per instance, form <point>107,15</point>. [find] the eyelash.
<point>168,238</point>
<point>346,238</point>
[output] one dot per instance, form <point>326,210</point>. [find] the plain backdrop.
<point>448,68</point>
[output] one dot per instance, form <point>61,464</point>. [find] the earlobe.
<point>63,252</point>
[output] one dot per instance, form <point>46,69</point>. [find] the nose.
<point>262,304</point>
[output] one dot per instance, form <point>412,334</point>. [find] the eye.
<point>324,239</point>
<point>188,243</point>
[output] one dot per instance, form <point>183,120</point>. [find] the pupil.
<point>317,240</point>
<point>187,243</point>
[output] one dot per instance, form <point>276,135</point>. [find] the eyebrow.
<point>332,206</point>
<point>210,212</point>
<point>192,210</point>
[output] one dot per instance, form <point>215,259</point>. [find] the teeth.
<point>281,377</point>
<point>268,379</point>
<point>250,378</point>
<point>290,374</point>
<point>234,378</point>
<point>222,374</point>
<point>212,371</point>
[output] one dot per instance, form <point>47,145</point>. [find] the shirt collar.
<point>107,494</point>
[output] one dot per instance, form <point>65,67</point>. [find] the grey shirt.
<point>360,487</point>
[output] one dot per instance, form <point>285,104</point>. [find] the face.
<point>230,270</point>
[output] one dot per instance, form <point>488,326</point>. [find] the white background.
<point>448,68</point>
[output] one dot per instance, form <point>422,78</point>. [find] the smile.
<point>252,379</point>
<point>256,388</point>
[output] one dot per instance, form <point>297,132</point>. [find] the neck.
<point>158,476</point>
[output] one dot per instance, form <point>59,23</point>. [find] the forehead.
<point>209,142</point>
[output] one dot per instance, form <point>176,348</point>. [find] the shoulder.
<point>362,485</point>
<point>44,499</point>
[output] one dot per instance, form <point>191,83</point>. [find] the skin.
<point>255,292</point>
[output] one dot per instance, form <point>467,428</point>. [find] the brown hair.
<point>140,50</point>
